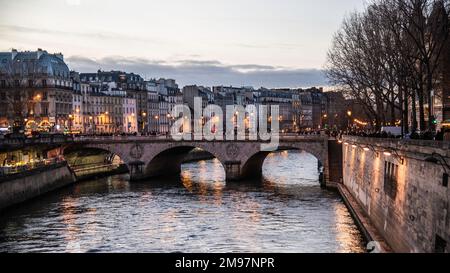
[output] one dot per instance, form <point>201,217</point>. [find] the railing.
<point>15,169</point>
<point>60,139</point>
<point>94,169</point>
<point>50,139</point>
<point>192,137</point>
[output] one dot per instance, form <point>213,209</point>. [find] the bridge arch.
<point>252,164</point>
<point>91,160</point>
<point>167,161</point>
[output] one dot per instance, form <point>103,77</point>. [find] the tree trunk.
<point>405,111</point>
<point>430,103</point>
<point>421,112</point>
<point>393,116</point>
<point>414,111</point>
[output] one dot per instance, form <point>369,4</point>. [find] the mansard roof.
<point>31,63</point>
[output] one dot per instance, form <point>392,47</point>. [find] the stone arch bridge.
<point>151,157</point>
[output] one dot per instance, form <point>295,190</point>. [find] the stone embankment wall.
<point>403,189</point>
<point>17,188</point>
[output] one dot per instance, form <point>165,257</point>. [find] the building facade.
<point>35,91</point>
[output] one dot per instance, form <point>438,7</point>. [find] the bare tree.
<point>388,56</point>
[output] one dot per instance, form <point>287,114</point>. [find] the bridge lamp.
<point>366,149</point>
<point>106,113</point>
<point>354,146</point>
<point>387,153</point>
<point>156,117</point>
<point>349,113</point>
<point>168,116</point>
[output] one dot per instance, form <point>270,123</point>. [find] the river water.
<point>287,212</point>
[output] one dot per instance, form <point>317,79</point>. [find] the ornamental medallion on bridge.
<point>137,151</point>
<point>232,150</point>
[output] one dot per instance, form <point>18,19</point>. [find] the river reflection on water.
<point>287,212</point>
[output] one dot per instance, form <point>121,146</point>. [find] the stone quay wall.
<point>21,187</point>
<point>402,191</point>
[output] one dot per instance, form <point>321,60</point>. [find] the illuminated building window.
<point>390,179</point>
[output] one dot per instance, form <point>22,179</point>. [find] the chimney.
<point>59,56</point>
<point>13,53</point>
<point>39,53</point>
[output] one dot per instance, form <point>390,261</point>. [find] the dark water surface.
<point>288,212</point>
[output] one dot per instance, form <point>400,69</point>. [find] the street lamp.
<point>324,121</point>
<point>70,123</point>
<point>349,114</point>
<point>91,119</point>
<point>144,115</point>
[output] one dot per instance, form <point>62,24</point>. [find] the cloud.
<point>208,73</point>
<point>90,35</point>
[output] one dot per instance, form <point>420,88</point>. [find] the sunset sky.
<point>272,43</point>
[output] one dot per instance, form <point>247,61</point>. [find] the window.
<point>3,84</point>
<point>445,180</point>
<point>390,179</point>
<point>30,83</point>
<point>16,83</point>
<point>44,83</point>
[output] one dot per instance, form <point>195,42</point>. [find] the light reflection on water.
<point>287,212</point>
